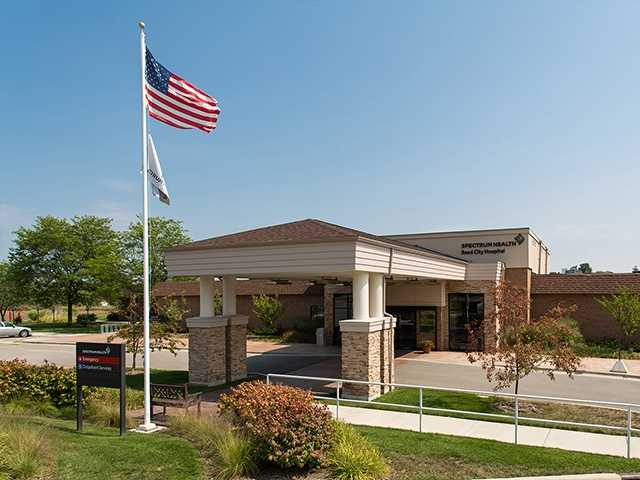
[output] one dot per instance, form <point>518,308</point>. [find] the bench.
<point>173,396</point>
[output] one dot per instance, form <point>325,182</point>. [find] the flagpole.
<point>147,426</point>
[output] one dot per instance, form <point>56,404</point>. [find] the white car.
<point>11,330</point>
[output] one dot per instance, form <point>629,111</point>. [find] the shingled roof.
<point>588,284</point>
<point>301,231</point>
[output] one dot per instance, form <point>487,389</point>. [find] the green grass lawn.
<point>423,456</point>
<point>101,453</point>
<point>60,327</point>
<point>470,402</point>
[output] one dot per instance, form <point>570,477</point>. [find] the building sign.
<point>101,365</point>
<point>491,247</point>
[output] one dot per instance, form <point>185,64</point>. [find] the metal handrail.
<point>516,417</point>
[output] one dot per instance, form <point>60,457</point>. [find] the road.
<point>584,386</point>
<point>64,354</point>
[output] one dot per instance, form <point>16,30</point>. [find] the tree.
<point>161,337</point>
<point>163,233</point>
<point>59,260</point>
<point>585,268</point>
<point>524,345</point>
<point>624,307</point>
<point>9,294</point>
<point>267,310</point>
<point>582,268</point>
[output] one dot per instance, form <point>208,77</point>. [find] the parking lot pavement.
<point>281,361</point>
<point>325,363</point>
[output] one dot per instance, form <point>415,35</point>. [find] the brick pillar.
<point>387,353</point>
<point>367,355</point>
<point>442,328</point>
<point>236,342</point>
<point>207,350</point>
<point>328,314</point>
<point>217,349</point>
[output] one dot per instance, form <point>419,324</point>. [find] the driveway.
<point>263,357</point>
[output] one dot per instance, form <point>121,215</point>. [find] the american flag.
<point>176,102</point>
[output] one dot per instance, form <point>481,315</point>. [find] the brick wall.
<point>583,290</point>
<point>595,324</point>
<point>297,309</point>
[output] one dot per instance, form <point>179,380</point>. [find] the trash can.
<point>320,336</point>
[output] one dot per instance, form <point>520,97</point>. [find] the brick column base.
<point>367,355</point>
<point>217,349</point>
<point>237,348</point>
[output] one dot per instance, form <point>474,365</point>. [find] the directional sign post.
<point>101,365</point>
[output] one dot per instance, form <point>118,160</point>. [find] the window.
<point>466,312</point>
<point>427,320</point>
<point>317,316</point>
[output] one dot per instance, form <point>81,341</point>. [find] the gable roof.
<point>301,231</point>
<point>587,283</point>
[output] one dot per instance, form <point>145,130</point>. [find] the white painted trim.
<point>207,322</point>
<point>238,320</point>
<point>367,326</point>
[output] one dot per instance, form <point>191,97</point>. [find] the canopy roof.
<point>309,249</point>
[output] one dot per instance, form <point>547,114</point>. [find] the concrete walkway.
<point>534,436</point>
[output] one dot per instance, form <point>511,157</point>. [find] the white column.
<point>229,295</point>
<point>206,296</point>
<point>376,307</point>
<point>361,295</point>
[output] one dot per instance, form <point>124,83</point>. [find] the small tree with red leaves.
<point>524,344</point>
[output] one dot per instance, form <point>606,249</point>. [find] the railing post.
<point>629,432</point>
<point>516,421</point>
<point>338,385</point>
<point>420,429</point>
<point>268,379</point>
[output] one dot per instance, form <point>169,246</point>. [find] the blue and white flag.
<point>158,185</point>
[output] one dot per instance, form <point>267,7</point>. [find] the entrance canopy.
<point>310,249</point>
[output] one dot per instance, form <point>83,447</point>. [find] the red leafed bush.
<point>47,382</point>
<point>285,424</point>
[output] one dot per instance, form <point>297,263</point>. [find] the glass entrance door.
<point>427,324</point>
<point>466,312</point>
<point>405,333</point>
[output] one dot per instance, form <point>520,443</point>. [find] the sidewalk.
<point>533,436</point>
<point>598,366</point>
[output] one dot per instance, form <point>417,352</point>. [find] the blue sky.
<point>390,117</point>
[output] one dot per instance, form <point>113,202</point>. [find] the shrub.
<point>47,382</point>
<point>265,332</point>
<point>21,406</point>
<point>23,450</point>
<point>103,406</point>
<point>298,336</point>
<point>230,452</point>
<point>34,316</point>
<point>267,310</point>
<point>86,318</point>
<point>286,426</point>
<point>113,317</point>
<point>352,457</point>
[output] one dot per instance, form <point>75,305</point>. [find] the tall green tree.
<point>9,294</point>
<point>624,307</point>
<point>66,261</point>
<point>163,233</point>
